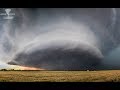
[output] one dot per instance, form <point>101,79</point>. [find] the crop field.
<point>60,76</point>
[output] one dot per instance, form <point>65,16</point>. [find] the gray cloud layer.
<point>61,39</point>
<point>60,57</point>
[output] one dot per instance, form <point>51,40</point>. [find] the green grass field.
<point>60,76</point>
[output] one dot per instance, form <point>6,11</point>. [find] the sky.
<point>60,38</point>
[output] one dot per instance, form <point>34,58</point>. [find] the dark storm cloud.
<point>94,32</point>
<point>60,58</point>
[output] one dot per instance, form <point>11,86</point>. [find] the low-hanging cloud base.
<point>62,39</point>
<point>81,57</point>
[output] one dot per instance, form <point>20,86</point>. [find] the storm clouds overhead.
<point>61,38</point>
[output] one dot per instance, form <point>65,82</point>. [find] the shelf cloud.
<point>61,38</point>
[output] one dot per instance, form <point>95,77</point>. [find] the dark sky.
<point>61,38</point>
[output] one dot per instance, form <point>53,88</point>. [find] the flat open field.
<point>60,76</point>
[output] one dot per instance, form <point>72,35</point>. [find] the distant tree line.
<point>3,69</point>
<point>7,69</point>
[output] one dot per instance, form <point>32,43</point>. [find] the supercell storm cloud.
<point>62,38</point>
